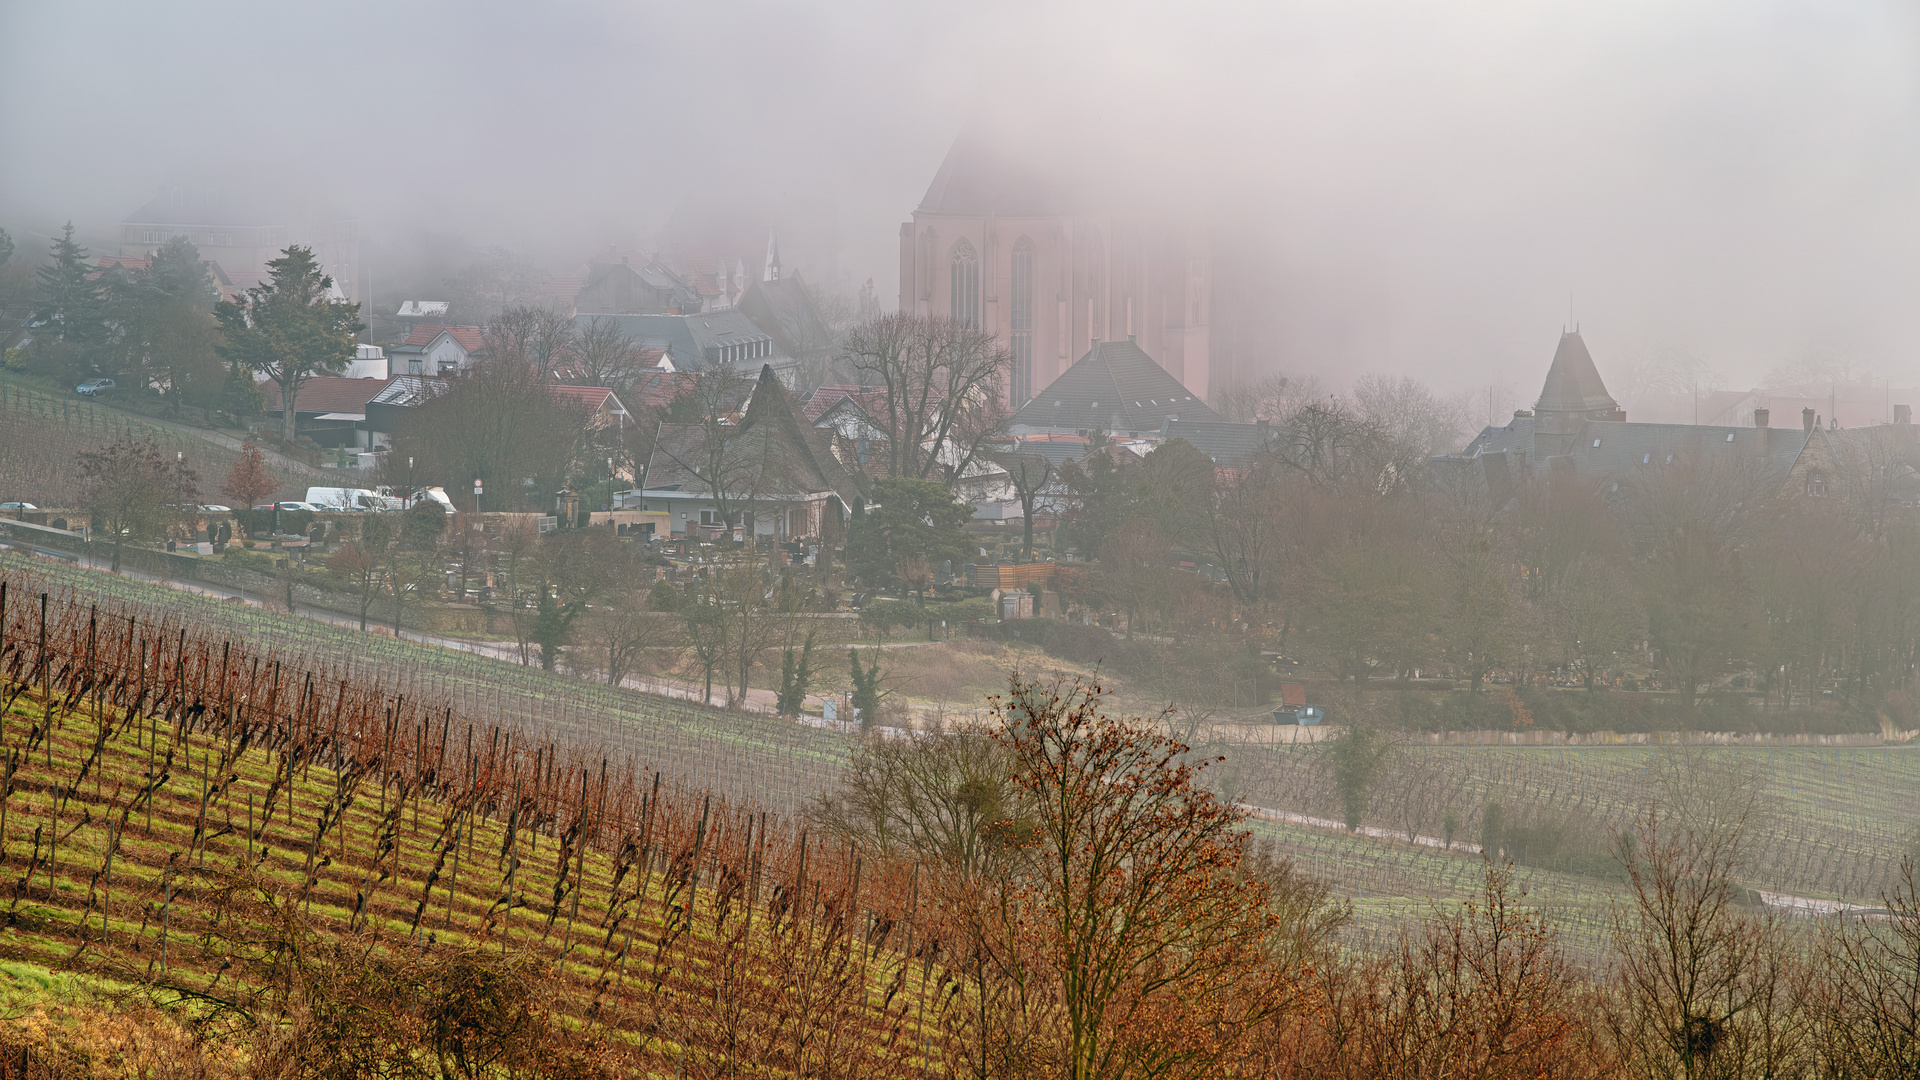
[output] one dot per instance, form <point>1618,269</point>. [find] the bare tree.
<point>1706,987</point>
<point>135,490</point>
<point>940,381</point>
<point>1867,1000</point>
<point>1272,398</point>
<point>538,337</point>
<point>603,355</point>
<point>1029,475</point>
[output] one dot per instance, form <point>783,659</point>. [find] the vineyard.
<point>38,458</point>
<point>741,756</point>
<point>200,816</point>
<point>1834,822</point>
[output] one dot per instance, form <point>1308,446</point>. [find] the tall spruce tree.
<point>289,330</point>
<point>164,333</point>
<point>69,322</point>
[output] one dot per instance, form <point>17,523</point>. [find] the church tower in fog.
<point>996,245</point>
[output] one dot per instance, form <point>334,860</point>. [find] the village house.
<point>438,350</point>
<point>773,476</point>
<point>619,285</point>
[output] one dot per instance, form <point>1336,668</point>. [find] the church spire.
<point>773,259</point>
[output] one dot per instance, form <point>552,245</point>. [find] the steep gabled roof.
<point>1573,383</point>
<point>795,459</point>
<point>1115,388</point>
<point>976,178</point>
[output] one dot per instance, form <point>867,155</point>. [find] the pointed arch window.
<point>1020,379</point>
<point>963,301</point>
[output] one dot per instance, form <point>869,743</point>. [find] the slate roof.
<point>1573,383</point>
<point>688,338</point>
<point>1225,442</point>
<point>785,310</point>
<point>1624,447</point>
<point>977,178</point>
<point>326,394</point>
<point>409,391</point>
<point>1115,388</point>
<point>797,460</point>
<point>1618,448</point>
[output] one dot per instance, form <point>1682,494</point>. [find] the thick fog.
<point>1410,187</point>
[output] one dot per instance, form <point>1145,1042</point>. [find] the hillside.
<point>247,856</point>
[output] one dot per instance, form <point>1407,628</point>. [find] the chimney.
<point>1761,417</point>
<point>1807,420</point>
<point>1903,415</point>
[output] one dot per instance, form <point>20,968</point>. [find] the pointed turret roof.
<point>1573,383</point>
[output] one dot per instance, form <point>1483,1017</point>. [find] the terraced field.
<point>192,823</point>
<point>743,756</point>
<point>1830,824</point>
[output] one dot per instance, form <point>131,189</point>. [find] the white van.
<point>333,498</point>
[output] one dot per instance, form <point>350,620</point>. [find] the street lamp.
<point>409,499</point>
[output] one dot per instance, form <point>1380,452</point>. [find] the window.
<point>1596,444</point>
<point>963,299</point>
<point>1729,436</point>
<point>708,517</point>
<point>1020,380</point>
<point>1817,484</point>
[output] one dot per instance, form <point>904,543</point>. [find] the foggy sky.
<point>1427,184</point>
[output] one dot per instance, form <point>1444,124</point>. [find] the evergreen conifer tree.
<point>289,330</point>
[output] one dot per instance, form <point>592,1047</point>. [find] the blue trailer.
<point>1304,715</point>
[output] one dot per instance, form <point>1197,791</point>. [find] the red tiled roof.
<point>593,398</point>
<point>327,394</point>
<point>658,389</point>
<point>468,337</point>
<point>867,397</point>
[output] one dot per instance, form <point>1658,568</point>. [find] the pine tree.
<point>865,698</point>
<point>288,330</point>
<point>70,320</point>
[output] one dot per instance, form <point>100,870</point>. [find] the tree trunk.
<point>289,393</point>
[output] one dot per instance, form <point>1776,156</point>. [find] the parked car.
<point>95,387</point>
<point>215,508</point>
<point>17,506</point>
<point>287,506</point>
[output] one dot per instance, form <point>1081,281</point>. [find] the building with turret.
<point>1576,430</point>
